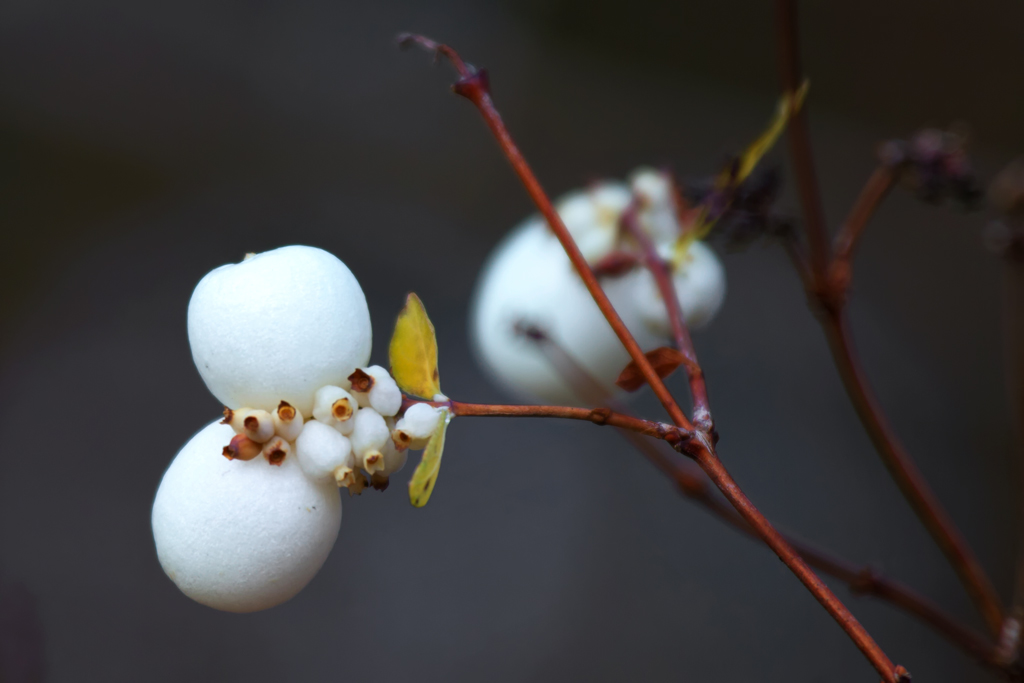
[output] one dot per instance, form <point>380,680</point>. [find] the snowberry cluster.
<point>249,509</point>
<point>352,433</point>
<point>529,281</point>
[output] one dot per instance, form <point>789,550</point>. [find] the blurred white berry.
<point>529,281</point>
<point>241,536</point>
<point>699,285</point>
<point>278,326</point>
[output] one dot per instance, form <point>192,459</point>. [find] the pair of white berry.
<point>528,280</point>
<point>249,509</point>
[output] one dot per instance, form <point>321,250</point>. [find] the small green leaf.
<point>413,351</point>
<point>423,479</point>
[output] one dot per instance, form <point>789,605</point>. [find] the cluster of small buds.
<point>352,437</point>
<point>935,165</point>
<point>261,432</point>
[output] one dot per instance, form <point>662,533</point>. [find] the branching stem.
<point>474,86</point>
<point>827,282</point>
<point>663,278</point>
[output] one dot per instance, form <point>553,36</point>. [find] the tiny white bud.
<point>333,404</point>
<point>287,421</point>
<point>370,433</point>
<point>258,425</point>
<point>416,426</point>
<point>276,450</point>
<point>321,450</point>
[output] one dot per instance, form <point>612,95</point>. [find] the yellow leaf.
<point>788,106</point>
<point>423,479</point>
<point>413,351</point>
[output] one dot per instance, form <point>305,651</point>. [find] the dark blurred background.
<point>142,144</point>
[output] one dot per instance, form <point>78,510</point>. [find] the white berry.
<point>322,450</point>
<point>278,326</point>
<point>529,283</point>
<point>241,536</point>
<point>414,429</point>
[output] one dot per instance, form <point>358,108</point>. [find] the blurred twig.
<point>830,297</point>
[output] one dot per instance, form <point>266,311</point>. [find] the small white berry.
<point>416,426</point>
<point>258,425</point>
<point>287,421</point>
<point>241,536</point>
<point>370,432</point>
<point>321,450</point>
<point>333,405</point>
<point>376,388</point>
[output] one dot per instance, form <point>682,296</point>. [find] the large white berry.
<point>241,536</point>
<point>277,327</point>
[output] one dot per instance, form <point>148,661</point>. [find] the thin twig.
<point>833,318</point>
<point>474,86</point>
<point>881,181</point>
<point>1013,340</point>
<point>663,278</point>
<point>691,484</point>
<point>600,416</point>
<point>861,580</point>
<point>799,140</point>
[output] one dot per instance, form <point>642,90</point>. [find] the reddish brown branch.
<point>799,140</point>
<point>474,86</point>
<point>875,190</point>
<point>599,416</point>
<point>712,466</point>
<point>860,580</point>
<point>908,477</point>
<point>663,278</point>
<point>820,291</point>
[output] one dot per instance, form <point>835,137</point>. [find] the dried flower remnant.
<point>242,447</point>
<point>934,164</point>
<point>276,450</point>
